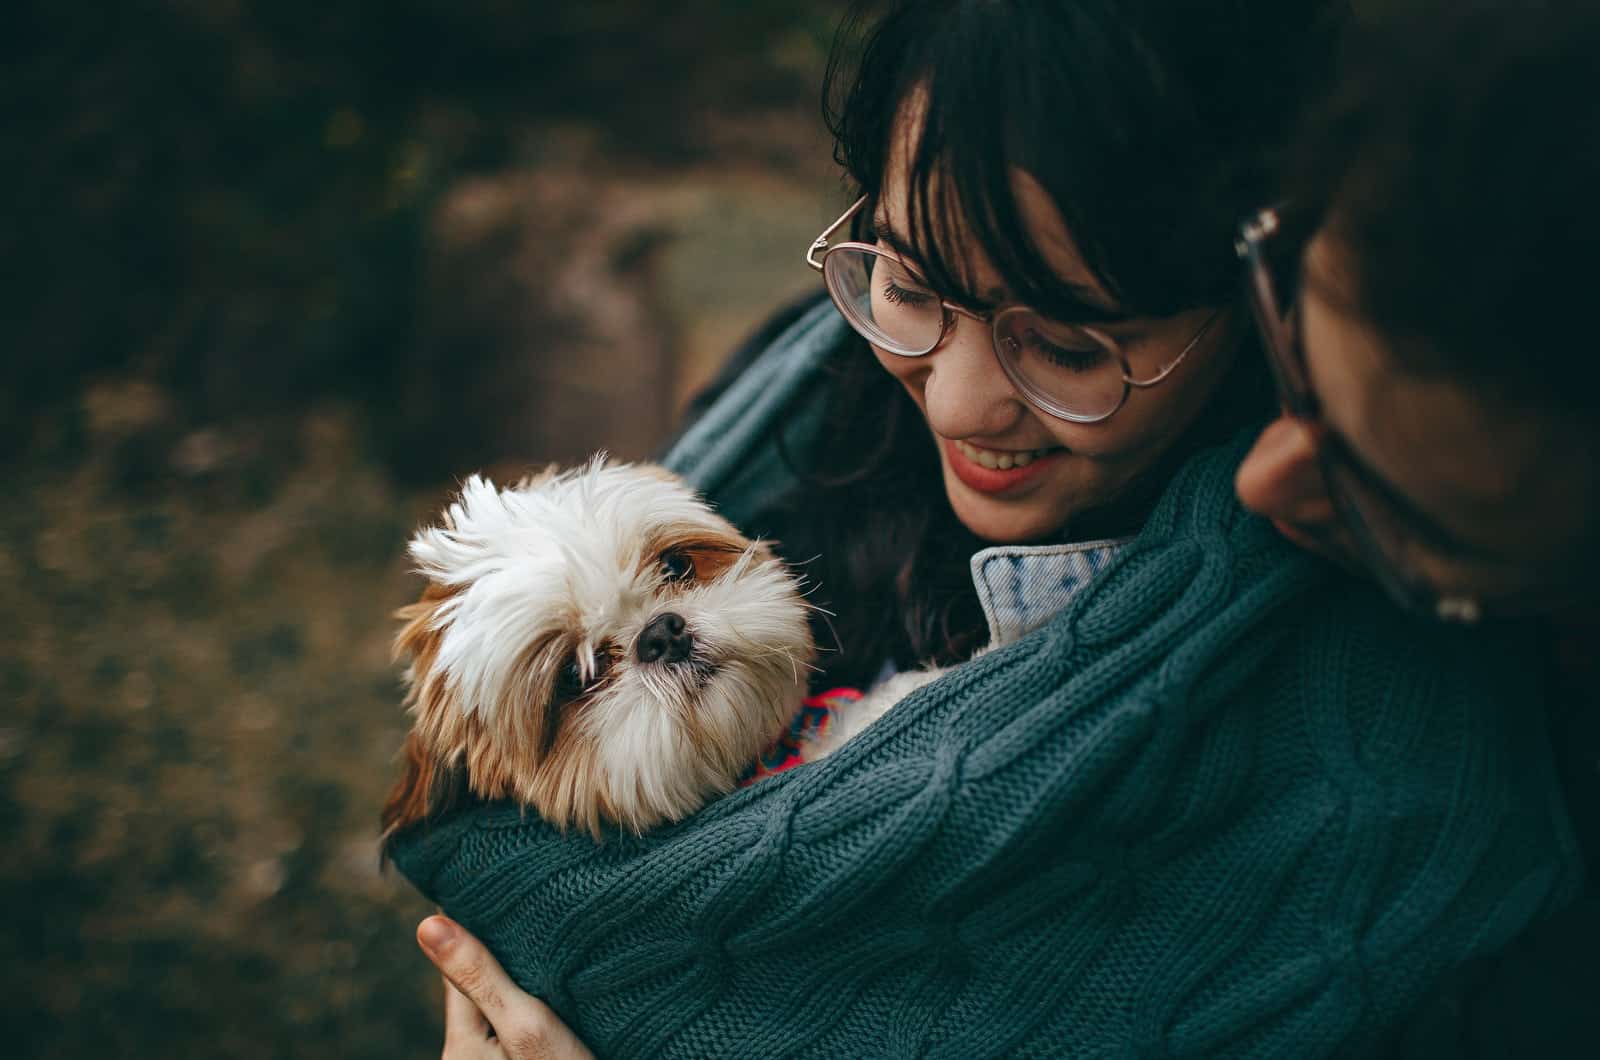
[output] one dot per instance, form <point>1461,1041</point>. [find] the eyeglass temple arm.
<point>1252,232</point>
<point>821,242</point>
<point>1145,384</point>
<point>1268,313</point>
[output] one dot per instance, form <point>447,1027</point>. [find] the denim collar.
<point>1021,587</point>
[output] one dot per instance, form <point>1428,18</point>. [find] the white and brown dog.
<point>598,645</point>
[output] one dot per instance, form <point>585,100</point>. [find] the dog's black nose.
<point>666,639</point>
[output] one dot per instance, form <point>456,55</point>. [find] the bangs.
<point>962,205</point>
<point>984,88</point>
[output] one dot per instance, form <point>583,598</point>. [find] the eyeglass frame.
<point>818,251</point>
<point>1287,358</point>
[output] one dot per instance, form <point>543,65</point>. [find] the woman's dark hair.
<point>1458,182</point>
<point>1153,126</point>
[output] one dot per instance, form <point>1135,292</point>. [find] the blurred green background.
<point>278,275</point>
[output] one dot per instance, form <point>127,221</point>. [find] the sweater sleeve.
<point>1225,804</point>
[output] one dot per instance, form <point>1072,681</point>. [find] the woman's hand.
<point>485,1014</point>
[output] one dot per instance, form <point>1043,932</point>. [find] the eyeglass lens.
<point>1062,367</point>
<point>883,301</point>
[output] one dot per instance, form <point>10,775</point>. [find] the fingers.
<point>483,997</point>
<point>464,1024</point>
<point>468,965</point>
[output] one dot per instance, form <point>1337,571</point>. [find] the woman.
<point>1206,796</point>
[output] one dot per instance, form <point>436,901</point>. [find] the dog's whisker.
<point>789,657</point>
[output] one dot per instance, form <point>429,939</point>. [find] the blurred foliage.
<point>229,197</point>
<point>245,239</point>
<point>200,721</point>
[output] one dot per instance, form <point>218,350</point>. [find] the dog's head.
<point>598,645</point>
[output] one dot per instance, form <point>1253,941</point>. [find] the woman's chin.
<point>1008,520</point>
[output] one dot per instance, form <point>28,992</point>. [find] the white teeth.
<point>996,460</point>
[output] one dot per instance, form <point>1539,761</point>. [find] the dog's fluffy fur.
<point>598,645</point>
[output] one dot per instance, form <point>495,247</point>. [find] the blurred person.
<point>1207,794</point>
<point>1426,293</point>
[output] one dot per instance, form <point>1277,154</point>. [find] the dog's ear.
<point>418,639</point>
<point>430,785</point>
<point>429,788</point>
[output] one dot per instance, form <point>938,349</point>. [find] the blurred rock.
<point>201,452</point>
<point>537,335</point>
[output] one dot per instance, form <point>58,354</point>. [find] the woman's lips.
<point>965,460</point>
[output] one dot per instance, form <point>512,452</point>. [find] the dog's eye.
<point>677,565</point>
<point>569,682</point>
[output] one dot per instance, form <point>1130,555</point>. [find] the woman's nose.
<point>966,391</point>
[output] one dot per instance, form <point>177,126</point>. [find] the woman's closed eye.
<point>900,286</point>
<point>1082,358</point>
<point>895,294</point>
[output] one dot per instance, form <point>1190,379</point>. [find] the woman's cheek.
<point>900,367</point>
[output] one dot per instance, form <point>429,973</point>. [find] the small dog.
<point>598,645</point>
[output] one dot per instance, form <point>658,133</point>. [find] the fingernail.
<point>435,934</point>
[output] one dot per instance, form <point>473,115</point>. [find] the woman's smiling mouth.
<point>997,470</point>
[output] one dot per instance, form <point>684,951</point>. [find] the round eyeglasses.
<point>1069,371</point>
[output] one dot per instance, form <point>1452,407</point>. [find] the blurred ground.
<point>290,271</point>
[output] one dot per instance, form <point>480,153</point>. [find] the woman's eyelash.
<point>894,294</point>
<point>1074,360</point>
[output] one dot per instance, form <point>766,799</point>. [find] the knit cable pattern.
<point>1227,803</point>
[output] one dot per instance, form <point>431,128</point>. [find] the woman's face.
<point>979,420</point>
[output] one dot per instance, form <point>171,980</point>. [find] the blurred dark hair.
<point>1457,168</point>
<point>1154,127</point>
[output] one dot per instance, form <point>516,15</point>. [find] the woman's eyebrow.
<point>897,242</point>
<point>1086,303</point>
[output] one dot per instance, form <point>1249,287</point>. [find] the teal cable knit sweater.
<point>1226,803</point>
